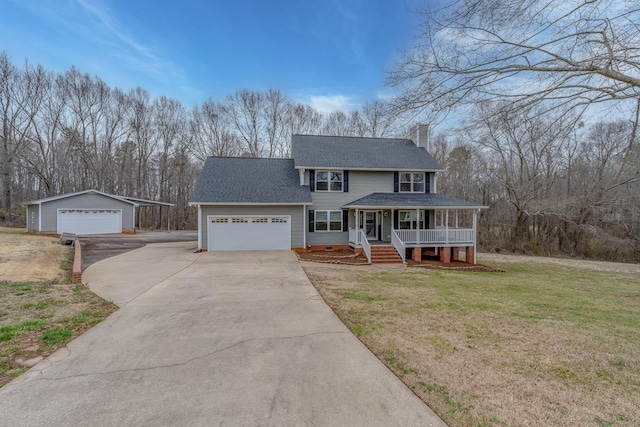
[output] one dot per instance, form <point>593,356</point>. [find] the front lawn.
<point>40,310</point>
<point>537,345</point>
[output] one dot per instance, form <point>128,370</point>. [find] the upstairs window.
<point>412,182</point>
<point>329,180</point>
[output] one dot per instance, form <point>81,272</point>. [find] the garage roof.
<point>132,200</point>
<point>64,196</point>
<point>246,180</point>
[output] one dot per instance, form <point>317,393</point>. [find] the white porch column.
<point>357,226</point>
<point>417,226</point>
<point>475,249</point>
<point>446,226</point>
<point>456,218</point>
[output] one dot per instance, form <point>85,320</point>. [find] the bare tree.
<point>211,129</point>
<point>564,55</point>
<point>244,109</point>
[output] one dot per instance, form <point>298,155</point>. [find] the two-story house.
<point>377,195</point>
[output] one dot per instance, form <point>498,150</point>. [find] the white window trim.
<point>411,182</point>
<point>328,181</point>
<point>412,219</point>
<point>328,230</point>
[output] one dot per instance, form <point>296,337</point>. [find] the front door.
<point>369,222</point>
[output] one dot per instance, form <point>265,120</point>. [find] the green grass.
<point>56,335</point>
<point>471,339</point>
<point>38,318</point>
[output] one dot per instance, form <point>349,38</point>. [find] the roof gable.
<point>342,152</point>
<point>64,196</point>
<point>238,180</point>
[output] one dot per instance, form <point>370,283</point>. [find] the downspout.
<point>200,227</point>
<point>304,226</point>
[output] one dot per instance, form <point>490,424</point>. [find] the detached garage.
<point>85,212</point>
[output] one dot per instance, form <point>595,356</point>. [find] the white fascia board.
<point>248,204</point>
<point>451,208</point>
<point>368,169</point>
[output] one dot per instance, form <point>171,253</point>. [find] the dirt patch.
<point>334,257</point>
<point>453,265</point>
<point>29,258</point>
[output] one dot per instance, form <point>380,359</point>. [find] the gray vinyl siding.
<point>49,210</point>
<point>297,221</point>
<point>361,183</point>
<point>33,215</point>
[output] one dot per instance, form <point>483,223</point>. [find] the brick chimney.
<point>419,134</point>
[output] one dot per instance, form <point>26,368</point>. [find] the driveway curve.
<point>202,339</point>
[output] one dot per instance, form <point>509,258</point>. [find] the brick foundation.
<point>129,231</point>
<point>445,255</point>
<point>76,272</point>
<point>417,254</point>
<point>455,256</point>
<point>470,255</point>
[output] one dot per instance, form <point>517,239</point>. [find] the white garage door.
<point>249,233</point>
<point>89,221</point>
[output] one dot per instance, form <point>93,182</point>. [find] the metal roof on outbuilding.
<point>246,180</point>
<point>344,152</point>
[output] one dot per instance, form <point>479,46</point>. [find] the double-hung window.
<point>412,182</point>
<point>328,220</point>
<point>329,180</point>
<point>407,220</point>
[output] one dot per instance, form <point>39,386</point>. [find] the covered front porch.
<point>415,225</point>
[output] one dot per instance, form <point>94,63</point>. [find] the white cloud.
<point>328,104</point>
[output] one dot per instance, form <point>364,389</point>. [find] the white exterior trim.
<point>64,196</point>
<point>200,228</point>
<point>248,204</point>
<point>335,168</point>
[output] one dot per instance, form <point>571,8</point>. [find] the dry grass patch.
<point>537,345</point>
<point>37,316</point>
<point>28,257</point>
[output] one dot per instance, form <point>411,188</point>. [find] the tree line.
<point>545,96</point>
<point>70,131</point>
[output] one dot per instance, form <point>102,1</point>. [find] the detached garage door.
<point>249,233</point>
<point>89,221</point>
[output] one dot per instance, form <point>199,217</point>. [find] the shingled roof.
<point>249,180</point>
<point>343,152</point>
<point>411,200</point>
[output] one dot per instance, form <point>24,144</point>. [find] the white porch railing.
<point>437,236</point>
<point>354,237</point>
<point>397,243</point>
<point>357,238</point>
<point>365,244</point>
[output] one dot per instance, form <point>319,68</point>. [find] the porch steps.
<point>385,254</point>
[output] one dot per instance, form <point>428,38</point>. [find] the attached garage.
<point>89,221</point>
<point>250,204</point>
<point>243,232</point>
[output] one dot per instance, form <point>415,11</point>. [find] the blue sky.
<point>332,54</point>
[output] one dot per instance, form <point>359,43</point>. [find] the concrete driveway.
<point>234,339</point>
